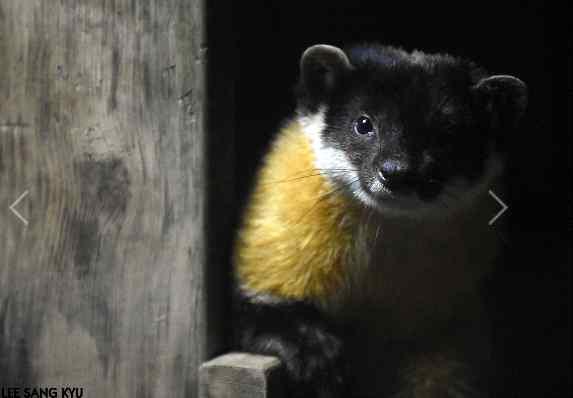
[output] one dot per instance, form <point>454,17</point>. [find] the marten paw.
<point>313,360</point>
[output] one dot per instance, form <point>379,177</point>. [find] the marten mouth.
<point>422,191</point>
<point>385,200</point>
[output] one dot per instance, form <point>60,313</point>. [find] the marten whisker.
<point>326,196</point>
<point>337,172</point>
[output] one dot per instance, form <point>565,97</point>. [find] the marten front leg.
<point>308,345</point>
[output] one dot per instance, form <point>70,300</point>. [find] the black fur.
<point>309,345</point>
<point>437,115</point>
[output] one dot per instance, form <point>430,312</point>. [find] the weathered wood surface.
<point>241,375</point>
<point>102,122</point>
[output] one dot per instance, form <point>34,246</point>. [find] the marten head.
<point>405,131</point>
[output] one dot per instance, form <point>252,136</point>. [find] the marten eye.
<point>363,126</point>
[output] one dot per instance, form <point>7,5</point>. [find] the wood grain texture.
<point>103,121</point>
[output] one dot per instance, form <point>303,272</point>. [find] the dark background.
<point>529,293</point>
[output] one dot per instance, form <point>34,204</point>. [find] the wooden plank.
<point>102,122</point>
<point>241,375</point>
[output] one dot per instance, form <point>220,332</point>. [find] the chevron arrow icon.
<point>504,207</point>
<point>13,208</point>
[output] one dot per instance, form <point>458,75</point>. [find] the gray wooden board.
<point>241,375</point>
<point>102,125</point>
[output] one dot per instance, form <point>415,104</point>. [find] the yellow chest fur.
<point>297,231</point>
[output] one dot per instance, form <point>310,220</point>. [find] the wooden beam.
<point>241,375</point>
<point>103,122</point>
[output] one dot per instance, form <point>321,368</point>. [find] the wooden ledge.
<point>241,375</point>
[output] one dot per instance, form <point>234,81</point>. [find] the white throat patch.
<point>329,161</point>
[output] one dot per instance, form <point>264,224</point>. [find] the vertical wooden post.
<point>103,132</point>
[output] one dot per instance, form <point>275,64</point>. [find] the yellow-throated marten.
<point>365,239</point>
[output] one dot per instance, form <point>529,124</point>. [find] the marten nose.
<point>395,174</point>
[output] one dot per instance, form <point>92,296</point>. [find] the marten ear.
<point>501,99</point>
<point>321,67</point>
